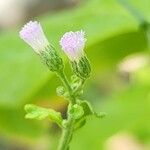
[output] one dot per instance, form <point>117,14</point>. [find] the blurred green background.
<point>118,48</point>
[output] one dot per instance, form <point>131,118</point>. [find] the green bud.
<point>82,68</point>
<point>75,79</point>
<point>52,59</point>
<point>60,91</point>
<point>76,111</point>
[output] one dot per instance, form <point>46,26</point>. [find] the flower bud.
<point>32,33</point>
<point>60,91</point>
<point>73,44</point>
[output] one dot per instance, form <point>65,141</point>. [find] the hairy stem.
<point>65,81</point>
<point>66,135</point>
<point>68,131</point>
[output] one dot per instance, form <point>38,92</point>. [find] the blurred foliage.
<point>113,33</point>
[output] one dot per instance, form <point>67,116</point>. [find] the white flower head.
<point>32,33</point>
<point>72,44</point>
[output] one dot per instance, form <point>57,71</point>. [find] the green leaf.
<point>39,113</point>
<point>88,110</point>
<point>79,124</point>
<point>86,107</point>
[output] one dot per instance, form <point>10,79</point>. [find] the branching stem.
<point>68,131</point>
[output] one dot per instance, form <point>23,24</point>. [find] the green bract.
<point>52,59</point>
<point>82,68</point>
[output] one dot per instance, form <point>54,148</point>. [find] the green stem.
<point>82,83</point>
<point>66,135</point>
<point>65,81</point>
<point>68,131</point>
<point>148,36</point>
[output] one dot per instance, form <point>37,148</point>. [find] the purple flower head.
<point>73,44</point>
<point>32,33</point>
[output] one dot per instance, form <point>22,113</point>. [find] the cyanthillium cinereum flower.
<point>73,44</point>
<point>32,33</point>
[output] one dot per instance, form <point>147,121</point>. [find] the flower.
<point>73,44</point>
<point>32,33</point>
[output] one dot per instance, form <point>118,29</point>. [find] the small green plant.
<point>72,44</point>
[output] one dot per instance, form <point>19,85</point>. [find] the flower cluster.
<point>72,44</point>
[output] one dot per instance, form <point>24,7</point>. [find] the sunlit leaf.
<point>40,113</point>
